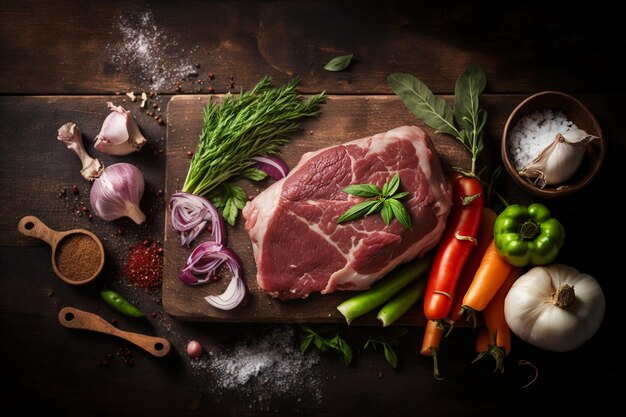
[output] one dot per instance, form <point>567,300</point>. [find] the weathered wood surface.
<point>55,67</point>
<point>64,47</point>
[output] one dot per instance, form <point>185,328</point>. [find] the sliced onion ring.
<point>205,260</point>
<point>231,298</point>
<point>272,166</point>
<point>190,214</point>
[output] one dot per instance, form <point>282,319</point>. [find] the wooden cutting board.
<point>343,118</point>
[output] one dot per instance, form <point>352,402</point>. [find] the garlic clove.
<point>576,135</point>
<point>69,134</point>
<point>119,134</point>
<point>559,161</point>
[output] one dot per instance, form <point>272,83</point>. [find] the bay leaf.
<point>339,63</point>
<point>418,98</point>
<point>469,86</point>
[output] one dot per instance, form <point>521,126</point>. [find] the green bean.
<point>401,303</point>
<point>383,290</point>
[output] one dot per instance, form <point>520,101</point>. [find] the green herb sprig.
<point>387,341</point>
<point>436,112</point>
<point>385,201</point>
<point>334,342</point>
<point>253,123</point>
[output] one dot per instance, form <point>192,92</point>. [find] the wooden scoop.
<point>33,227</point>
<point>73,318</point>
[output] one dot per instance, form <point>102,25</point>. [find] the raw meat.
<point>298,246</point>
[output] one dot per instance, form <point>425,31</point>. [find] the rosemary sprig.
<point>254,123</point>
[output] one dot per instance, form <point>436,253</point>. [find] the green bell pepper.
<point>528,235</point>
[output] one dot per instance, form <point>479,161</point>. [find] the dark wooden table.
<point>61,61</point>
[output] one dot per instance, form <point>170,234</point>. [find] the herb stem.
<point>253,123</point>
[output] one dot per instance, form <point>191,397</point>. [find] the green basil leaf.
<point>304,345</point>
<point>320,343</point>
<point>433,110</point>
<point>339,63</point>
<point>375,208</point>
<point>400,213</point>
<point>334,342</point>
<point>469,86</point>
<point>387,213</point>
<point>347,352</point>
<point>391,356</point>
<point>357,211</point>
<point>394,184</point>
<point>363,190</point>
<point>307,330</point>
<point>398,196</point>
<point>254,174</point>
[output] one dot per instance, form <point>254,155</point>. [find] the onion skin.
<point>205,260</point>
<point>273,166</point>
<point>190,214</point>
<point>117,193</point>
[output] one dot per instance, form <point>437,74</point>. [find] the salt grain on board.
<point>146,53</point>
<point>264,368</point>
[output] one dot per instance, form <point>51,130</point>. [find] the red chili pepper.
<point>455,247</point>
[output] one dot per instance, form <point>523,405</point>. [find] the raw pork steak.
<point>298,246</point>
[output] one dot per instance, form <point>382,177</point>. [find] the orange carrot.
<point>494,313</point>
<point>484,238</point>
<point>498,334</point>
<point>490,276</point>
<point>483,342</point>
<point>431,343</point>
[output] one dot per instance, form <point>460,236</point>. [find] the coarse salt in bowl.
<point>532,126</point>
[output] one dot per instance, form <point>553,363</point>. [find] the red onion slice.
<point>190,214</point>
<point>205,260</point>
<point>231,298</point>
<point>272,166</point>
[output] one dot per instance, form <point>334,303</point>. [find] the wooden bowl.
<point>576,112</point>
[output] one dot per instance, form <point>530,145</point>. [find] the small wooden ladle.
<point>33,227</point>
<point>73,318</point>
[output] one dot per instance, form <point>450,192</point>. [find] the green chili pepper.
<point>528,235</point>
<point>116,301</point>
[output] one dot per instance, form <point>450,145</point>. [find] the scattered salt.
<point>146,53</point>
<point>260,369</point>
<point>534,132</point>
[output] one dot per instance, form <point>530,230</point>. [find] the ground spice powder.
<point>78,257</point>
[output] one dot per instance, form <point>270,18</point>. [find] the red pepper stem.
<point>529,230</point>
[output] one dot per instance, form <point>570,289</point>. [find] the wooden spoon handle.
<point>33,227</point>
<point>74,318</point>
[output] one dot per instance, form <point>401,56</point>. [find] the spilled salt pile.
<point>147,53</point>
<point>264,368</point>
<point>534,132</point>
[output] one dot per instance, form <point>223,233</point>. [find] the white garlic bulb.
<point>559,160</point>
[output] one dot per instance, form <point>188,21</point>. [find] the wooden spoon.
<point>73,318</point>
<point>33,227</point>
